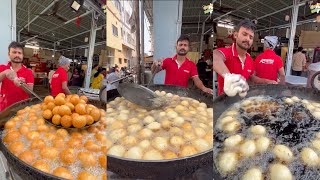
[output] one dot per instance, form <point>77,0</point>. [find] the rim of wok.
<point>167,88</point>
<point>26,170</point>
<point>223,102</point>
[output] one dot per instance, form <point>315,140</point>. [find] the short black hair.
<point>300,49</point>
<point>104,69</point>
<point>183,38</point>
<point>15,45</point>
<point>246,23</point>
<point>94,66</point>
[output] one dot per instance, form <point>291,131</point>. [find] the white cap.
<point>270,42</point>
<point>63,61</point>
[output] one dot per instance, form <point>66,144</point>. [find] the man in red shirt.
<point>233,64</point>
<point>12,75</point>
<point>59,81</point>
<point>268,64</point>
<point>179,68</point>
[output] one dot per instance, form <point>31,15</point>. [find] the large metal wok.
<point>165,169</point>
<point>21,168</point>
<point>223,102</point>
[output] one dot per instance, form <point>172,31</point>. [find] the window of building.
<point>114,30</point>
<point>125,61</point>
<point>120,61</point>
<point>117,4</point>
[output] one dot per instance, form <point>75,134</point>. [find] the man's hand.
<point>10,74</point>
<point>18,81</point>
<point>207,90</point>
<point>234,84</point>
<point>272,82</point>
<point>156,66</point>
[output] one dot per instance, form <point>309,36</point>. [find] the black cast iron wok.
<point>223,102</point>
<point>165,169</point>
<point>21,168</point>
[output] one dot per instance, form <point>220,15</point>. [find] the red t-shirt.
<point>10,93</point>
<point>267,65</point>
<point>58,78</point>
<point>178,75</point>
<point>235,65</point>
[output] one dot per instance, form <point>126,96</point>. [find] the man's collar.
<point>235,52</point>
<point>9,65</point>
<point>174,58</point>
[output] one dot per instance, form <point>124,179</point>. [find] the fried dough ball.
<point>227,162</point>
<point>283,153</point>
<point>63,173</point>
<point>89,120</point>
<point>16,147</point>
<point>27,157</point>
<point>160,143</point>
<point>145,144</point>
<point>76,135</point>
<point>55,110</point>
<point>47,114</point>
<point>79,121</point>
<point>309,157</point>
<point>33,135</point>
<point>145,133</point>
<point>148,120</point>
<point>48,99</point>
<point>155,126</point>
<point>152,155</point>
<point>117,150</point>
<point>95,113</point>
<point>70,105</point>
<point>258,130</point>
<point>248,148</point>
<point>170,155</point>
<point>103,161</point>
<point>134,128</point>
<point>189,135</point>
<point>279,171</point>
<point>84,175</point>
<point>87,159</point>
<point>59,100</point>
<point>38,144</point>
<point>117,125</point>
<point>10,124</point>
<point>262,144</point>
<point>64,110</point>
<point>134,153</point>
<point>177,141</point>
<point>50,136</point>
<point>233,141</point>
<point>91,146</point>
<point>42,166</point>
<point>101,138</point>
<point>74,143</point>
<point>58,142</point>
<point>62,133</point>
<point>75,99</point>
<point>24,130</point>
<point>66,121</point>
<point>201,145</point>
<point>80,109</point>
<point>129,141</point>
<point>51,105</point>
<point>200,132</point>
<point>253,174</point>
<point>188,151</point>
<point>49,153</point>
<point>232,127</point>
<point>68,156</point>
<point>43,128</point>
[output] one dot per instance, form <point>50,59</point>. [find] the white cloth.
<point>270,42</point>
<point>234,84</point>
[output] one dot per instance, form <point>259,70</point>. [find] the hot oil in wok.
<point>292,125</point>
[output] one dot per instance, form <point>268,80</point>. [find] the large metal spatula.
<point>24,87</point>
<point>140,95</point>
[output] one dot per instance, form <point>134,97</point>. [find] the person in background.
<point>268,65</point>
<point>59,81</point>
<point>12,75</point>
<point>113,76</point>
<point>97,79</point>
<point>179,68</point>
<point>201,67</point>
<point>104,72</point>
<point>76,78</point>
<point>93,72</point>
<point>298,62</point>
<point>50,74</point>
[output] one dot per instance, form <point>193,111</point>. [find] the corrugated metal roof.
<point>28,9</point>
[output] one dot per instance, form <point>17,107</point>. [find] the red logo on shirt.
<point>55,75</point>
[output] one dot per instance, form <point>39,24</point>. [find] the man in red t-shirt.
<point>233,64</point>
<point>12,75</point>
<point>59,81</point>
<point>268,64</point>
<point>179,68</point>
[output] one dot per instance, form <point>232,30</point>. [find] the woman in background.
<point>97,79</point>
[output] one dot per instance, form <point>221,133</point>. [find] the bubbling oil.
<point>292,125</point>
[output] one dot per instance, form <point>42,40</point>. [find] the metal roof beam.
<point>71,20</point>
<point>271,9</point>
<point>289,24</point>
<point>98,28</point>
<point>83,46</point>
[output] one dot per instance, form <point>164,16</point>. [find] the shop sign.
<point>315,8</point>
<point>208,8</point>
